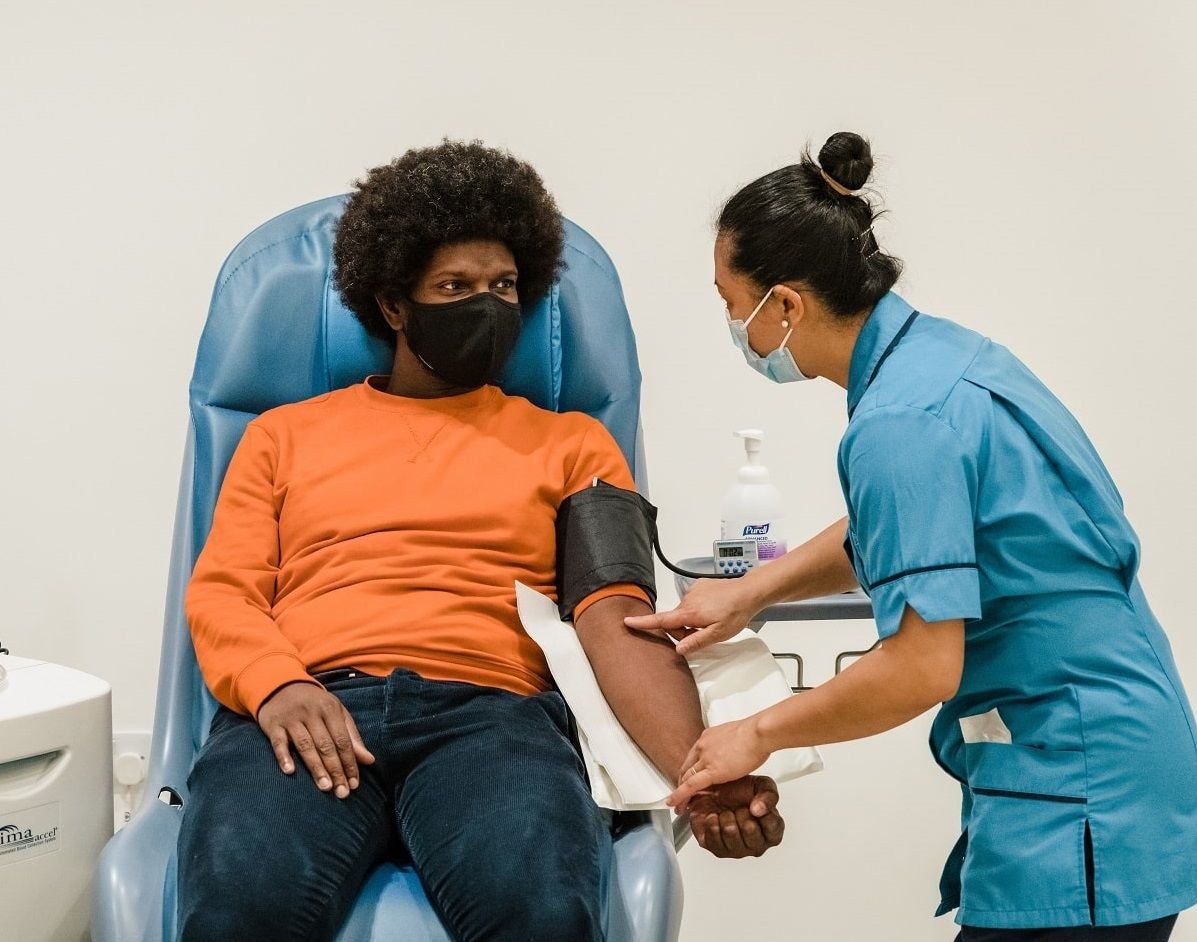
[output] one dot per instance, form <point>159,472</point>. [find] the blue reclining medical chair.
<point>278,332</point>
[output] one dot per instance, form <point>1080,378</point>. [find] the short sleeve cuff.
<point>265,675</point>
<point>625,589</point>
<point>937,595</point>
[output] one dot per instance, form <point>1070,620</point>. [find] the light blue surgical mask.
<point>779,365</point>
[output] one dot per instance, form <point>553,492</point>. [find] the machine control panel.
<point>735,557</point>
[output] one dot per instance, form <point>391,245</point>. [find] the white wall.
<point>1037,159</point>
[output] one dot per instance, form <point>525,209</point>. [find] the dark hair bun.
<point>846,158</point>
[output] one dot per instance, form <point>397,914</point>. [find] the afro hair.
<point>402,212</point>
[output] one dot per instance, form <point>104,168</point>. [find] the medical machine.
<point>735,557</point>
<point>55,797</point>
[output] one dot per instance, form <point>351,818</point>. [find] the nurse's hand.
<point>713,610</point>
<point>722,754</point>
<point>738,819</point>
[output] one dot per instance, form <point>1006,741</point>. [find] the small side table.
<point>843,607</point>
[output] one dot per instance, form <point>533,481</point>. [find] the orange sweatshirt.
<point>361,529</point>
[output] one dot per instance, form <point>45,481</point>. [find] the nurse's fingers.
<point>689,788</point>
<point>689,764</point>
<point>699,639</point>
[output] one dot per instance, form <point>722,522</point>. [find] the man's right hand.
<point>317,724</point>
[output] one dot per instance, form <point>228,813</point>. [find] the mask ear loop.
<point>756,310</point>
<point>786,338</point>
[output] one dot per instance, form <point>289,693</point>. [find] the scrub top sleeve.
<point>912,494</point>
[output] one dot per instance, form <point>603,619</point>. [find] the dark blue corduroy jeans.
<point>482,790</point>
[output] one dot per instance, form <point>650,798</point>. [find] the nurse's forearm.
<point>818,567</point>
<point>647,683</point>
<point>912,671</point>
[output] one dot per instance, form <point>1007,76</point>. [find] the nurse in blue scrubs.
<point>1002,572</point>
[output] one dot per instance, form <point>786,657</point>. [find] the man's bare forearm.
<point>648,684</point>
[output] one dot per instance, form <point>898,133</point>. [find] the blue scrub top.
<point>974,494</point>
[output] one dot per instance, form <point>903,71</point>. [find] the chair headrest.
<point>278,332</point>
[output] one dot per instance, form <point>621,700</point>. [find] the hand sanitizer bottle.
<point>752,508</point>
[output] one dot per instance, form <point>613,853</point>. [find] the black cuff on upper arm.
<point>604,536</point>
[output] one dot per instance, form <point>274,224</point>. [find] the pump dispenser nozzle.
<point>752,471</point>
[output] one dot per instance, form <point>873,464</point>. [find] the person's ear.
<point>793,307</point>
<point>396,316</point>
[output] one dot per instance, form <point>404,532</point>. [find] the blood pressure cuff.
<point>604,536</point>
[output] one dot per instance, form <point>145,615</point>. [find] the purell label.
<point>29,833</point>
<point>770,549</point>
<point>756,529</point>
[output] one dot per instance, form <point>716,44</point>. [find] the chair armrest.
<point>645,900</point>
<point>128,902</point>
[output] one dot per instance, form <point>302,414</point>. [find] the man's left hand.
<point>737,819</point>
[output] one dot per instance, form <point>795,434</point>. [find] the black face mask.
<point>464,342</point>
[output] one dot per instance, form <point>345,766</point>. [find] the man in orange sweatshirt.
<point>354,613</point>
